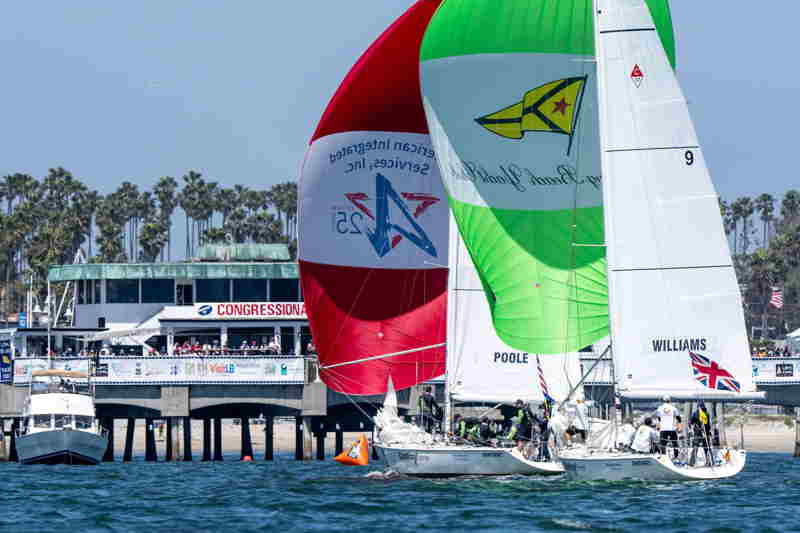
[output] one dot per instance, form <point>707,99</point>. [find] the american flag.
<point>777,298</point>
<point>548,400</point>
<point>713,376</point>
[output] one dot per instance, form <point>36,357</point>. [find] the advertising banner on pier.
<point>251,311</point>
<point>776,370</point>
<point>178,370</point>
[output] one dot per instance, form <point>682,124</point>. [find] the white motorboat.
<point>59,424</point>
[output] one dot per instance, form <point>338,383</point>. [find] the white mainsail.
<point>673,293</point>
<point>480,366</point>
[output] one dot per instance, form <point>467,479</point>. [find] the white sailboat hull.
<point>607,466</point>
<point>61,446</point>
<point>448,460</point>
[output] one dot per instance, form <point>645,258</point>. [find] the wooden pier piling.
<point>170,452</point>
<point>298,438</point>
<point>150,452</point>
<point>797,431</point>
<point>108,424</point>
<point>321,444</point>
<point>187,438</point>
<point>218,439</point>
<point>206,439</point>
<point>339,445</point>
<point>269,438</point>
<point>127,455</point>
<point>12,448</point>
<point>247,441</point>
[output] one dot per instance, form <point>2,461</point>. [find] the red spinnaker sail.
<point>374,222</point>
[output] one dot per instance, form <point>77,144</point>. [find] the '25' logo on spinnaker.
<point>388,233</point>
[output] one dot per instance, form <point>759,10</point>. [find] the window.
<point>41,421</point>
<point>213,290</point>
<point>81,292</point>
<point>284,290</point>
<point>63,420</point>
<point>83,422</point>
<point>122,291</point>
<point>158,291</point>
<point>97,297</point>
<point>249,290</point>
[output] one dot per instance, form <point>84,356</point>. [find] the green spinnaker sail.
<point>509,88</point>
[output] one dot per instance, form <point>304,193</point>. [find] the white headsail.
<point>676,316</point>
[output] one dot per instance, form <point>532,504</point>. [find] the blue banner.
<point>6,364</point>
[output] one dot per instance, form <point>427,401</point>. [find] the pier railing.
<point>176,370</point>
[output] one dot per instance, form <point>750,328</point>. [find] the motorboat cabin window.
<point>122,291</point>
<point>62,420</point>
<point>158,291</point>
<point>83,422</point>
<point>41,421</point>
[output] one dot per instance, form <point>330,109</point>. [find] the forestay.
<point>480,366</point>
<point>509,92</point>
<point>373,223</point>
<point>676,312</point>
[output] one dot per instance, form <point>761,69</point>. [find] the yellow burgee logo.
<point>553,107</point>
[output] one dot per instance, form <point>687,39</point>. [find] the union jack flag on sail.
<point>713,376</point>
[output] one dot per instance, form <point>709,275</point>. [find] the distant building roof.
<point>243,252</point>
<point>173,271</point>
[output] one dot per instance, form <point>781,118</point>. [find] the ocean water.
<point>289,496</point>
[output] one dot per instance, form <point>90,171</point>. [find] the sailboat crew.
<point>520,425</point>
<point>646,437</point>
<point>701,434</point>
<point>668,415</point>
<point>428,410</point>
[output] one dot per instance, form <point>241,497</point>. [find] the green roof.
<point>244,252</point>
<point>173,271</point>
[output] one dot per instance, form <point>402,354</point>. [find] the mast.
<point>49,326</point>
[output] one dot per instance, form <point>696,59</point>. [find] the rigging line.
<point>363,412</point>
<point>586,374</point>
<point>383,356</point>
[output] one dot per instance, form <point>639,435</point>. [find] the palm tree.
<point>765,204</point>
<point>166,194</point>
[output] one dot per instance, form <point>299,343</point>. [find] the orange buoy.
<point>247,458</point>
<point>356,455</point>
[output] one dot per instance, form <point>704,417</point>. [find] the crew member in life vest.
<point>521,425</point>
<point>459,427</point>
<point>701,435</point>
<point>541,420</point>
<point>428,410</point>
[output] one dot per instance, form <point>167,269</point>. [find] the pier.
<point>148,391</point>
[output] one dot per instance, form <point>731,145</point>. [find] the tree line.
<point>46,221</point>
<point>764,237</point>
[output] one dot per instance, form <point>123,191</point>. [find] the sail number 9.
<point>689,156</point>
<point>345,224</point>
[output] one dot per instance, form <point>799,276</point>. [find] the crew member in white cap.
<point>668,414</point>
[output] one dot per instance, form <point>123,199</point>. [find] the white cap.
<point>665,398</point>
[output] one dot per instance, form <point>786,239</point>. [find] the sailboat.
<point>481,370</point>
<point>677,325</point>
<point>508,90</point>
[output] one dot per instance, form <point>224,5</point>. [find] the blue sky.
<point>139,90</point>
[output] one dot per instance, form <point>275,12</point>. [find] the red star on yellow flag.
<point>561,106</point>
